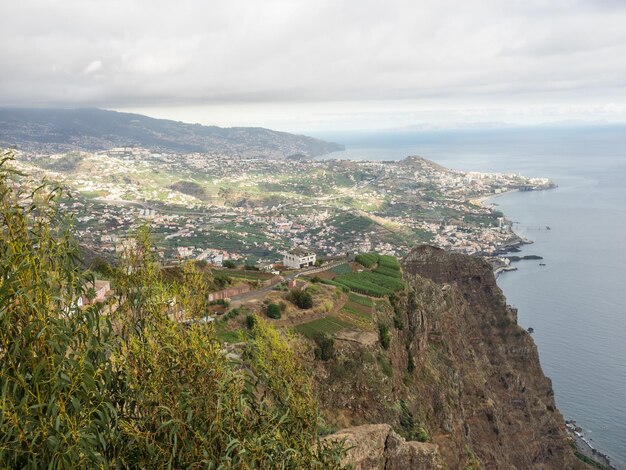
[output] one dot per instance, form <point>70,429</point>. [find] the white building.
<point>299,258</point>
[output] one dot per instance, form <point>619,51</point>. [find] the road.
<point>237,300</point>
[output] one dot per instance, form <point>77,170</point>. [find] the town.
<point>216,208</point>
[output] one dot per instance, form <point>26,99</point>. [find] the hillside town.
<point>214,208</point>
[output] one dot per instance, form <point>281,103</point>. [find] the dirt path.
<point>311,317</point>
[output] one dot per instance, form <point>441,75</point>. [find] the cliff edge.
<point>458,374</point>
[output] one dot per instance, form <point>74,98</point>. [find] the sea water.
<point>576,303</point>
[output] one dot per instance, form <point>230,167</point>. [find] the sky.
<point>320,65</point>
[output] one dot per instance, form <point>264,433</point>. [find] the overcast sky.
<point>316,65</point>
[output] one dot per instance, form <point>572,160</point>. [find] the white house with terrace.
<point>299,258</point>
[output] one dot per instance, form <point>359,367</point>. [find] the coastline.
<point>579,442</point>
<point>582,445</point>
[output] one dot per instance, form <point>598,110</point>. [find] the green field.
<point>385,279</point>
<point>327,325</point>
<point>372,284</point>
<point>357,313</point>
<point>359,299</point>
<point>341,269</point>
<point>367,259</point>
<point>223,334</point>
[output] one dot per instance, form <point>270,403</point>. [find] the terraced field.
<point>329,325</point>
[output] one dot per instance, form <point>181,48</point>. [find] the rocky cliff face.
<point>459,373</point>
<point>377,446</point>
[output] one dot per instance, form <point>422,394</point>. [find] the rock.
<point>376,446</point>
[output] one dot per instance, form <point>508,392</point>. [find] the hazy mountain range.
<point>97,129</point>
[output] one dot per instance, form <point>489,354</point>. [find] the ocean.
<point>576,303</point>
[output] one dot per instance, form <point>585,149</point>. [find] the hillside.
<point>97,129</point>
<point>419,364</point>
<point>457,372</point>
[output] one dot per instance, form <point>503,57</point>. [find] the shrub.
<point>383,335</point>
<point>273,311</point>
<point>250,321</point>
<point>300,298</point>
<point>324,347</point>
<point>149,393</point>
<point>230,264</point>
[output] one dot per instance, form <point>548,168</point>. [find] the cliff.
<point>459,373</point>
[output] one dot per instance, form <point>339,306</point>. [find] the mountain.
<point>97,129</point>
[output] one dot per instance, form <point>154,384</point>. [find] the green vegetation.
<point>341,269</point>
<point>388,272</point>
<point>273,311</point>
<point>328,325</point>
<point>300,298</point>
<point>359,299</point>
<point>336,284</point>
<point>472,462</point>
<point>367,259</point>
<point>132,389</point>
<point>384,280</point>
<point>580,456</point>
<point>370,283</point>
<point>398,315</point>
<point>230,264</point>
<point>383,335</point>
<point>324,347</point>
<point>251,321</point>
<point>388,261</point>
<point>191,188</point>
<point>411,429</point>
<point>385,365</point>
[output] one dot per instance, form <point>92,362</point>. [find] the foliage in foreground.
<point>134,388</point>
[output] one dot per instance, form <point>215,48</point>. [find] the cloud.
<point>198,52</point>
<point>93,67</point>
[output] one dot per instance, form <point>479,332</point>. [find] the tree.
<point>300,298</point>
<point>273,311</point>
<point>324,347</point>
<point>149,393</point>
<point>230,264</point>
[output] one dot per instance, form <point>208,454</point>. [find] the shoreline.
<point>584,447</point>
<point>580,443</point>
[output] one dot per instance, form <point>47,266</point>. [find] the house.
<point>299,258</point>
<point>95,292</point>
<point>266,267</point>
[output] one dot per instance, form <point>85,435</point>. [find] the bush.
<point>230,264</point>
<point>316,279</point>
<point>324,347</point>
<point>383,335</point>
<point>273,311</point>
<point>250,321</point>
<point>300,298</point>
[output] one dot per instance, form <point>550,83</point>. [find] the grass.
<point>370,283</point>
<point>328,325</point>
<point>359,299</point>
<point>225,335</point>
<point>341,269</point>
